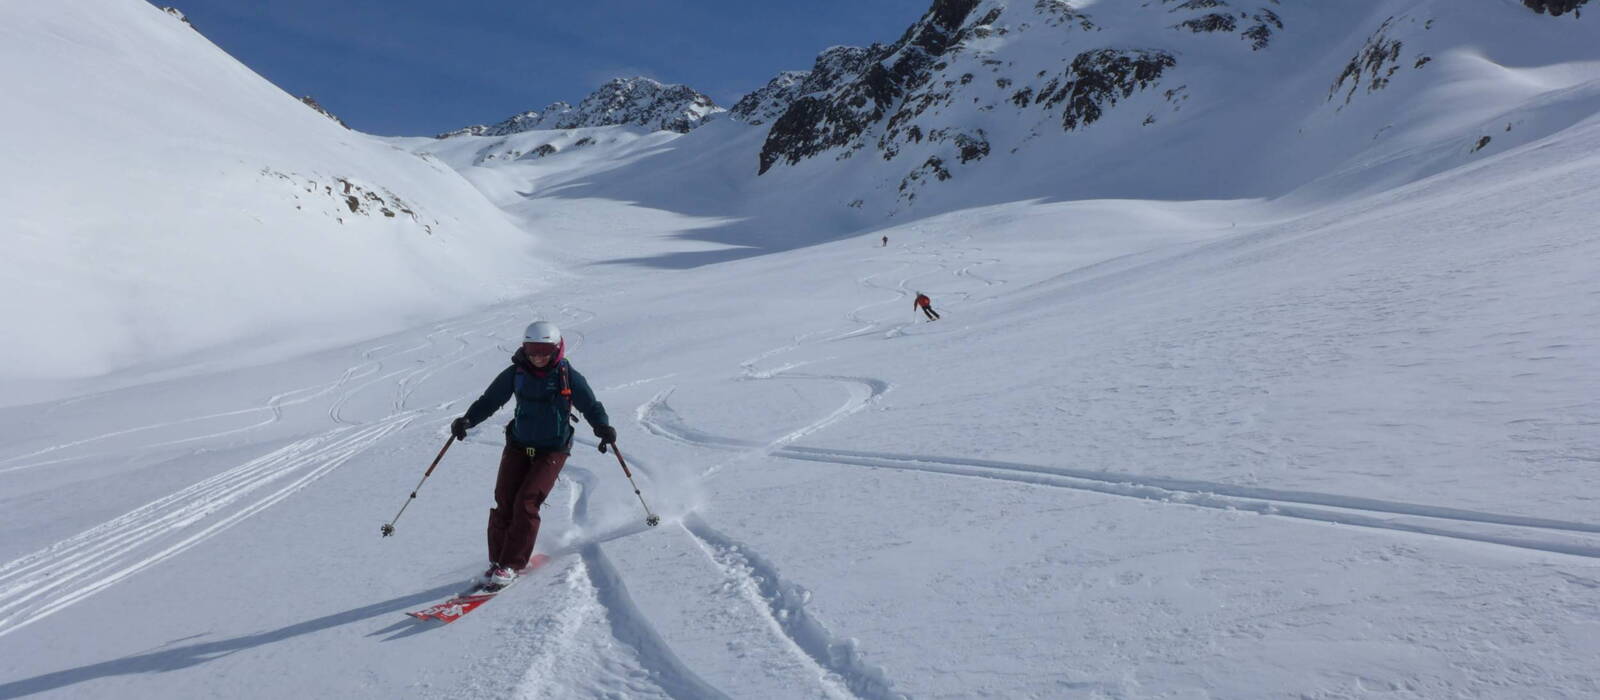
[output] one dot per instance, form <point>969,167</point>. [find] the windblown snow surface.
<point>1336,444</point>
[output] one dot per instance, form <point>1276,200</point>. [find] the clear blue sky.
<point>412,67</point>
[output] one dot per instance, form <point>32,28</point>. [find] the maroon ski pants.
<point>521,488</point>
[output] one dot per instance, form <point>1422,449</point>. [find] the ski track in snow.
<point>1350,510</point>
<point>659,418</point>
<point>108,553</point>
<point>841,667</point>
<point>37,585</point>
<point>629,626</point>
<point>840,664</point>
<point>412,377</point>
<point>371,364</point>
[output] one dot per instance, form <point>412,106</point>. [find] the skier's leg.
<point>542,473</point>
<point>513,471</point>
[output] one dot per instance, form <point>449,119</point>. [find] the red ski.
<point>452,609</point>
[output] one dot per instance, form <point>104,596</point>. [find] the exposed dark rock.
<point>771,100</point>
<point>1214,22</point>
<point>844,113</point>
<point>1261,34</point>
<point>1379,58</point>
<point>1554,7</point>
<point>516,124</point>
<point>175,12</point>
<point>1061,13</point>
<point>1099,79</point>
<point>639,101</point>
<point>312,103</point>
<point>932,166</point>
<point>972,147</point>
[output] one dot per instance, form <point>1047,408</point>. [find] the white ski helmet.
<point>542,332</point>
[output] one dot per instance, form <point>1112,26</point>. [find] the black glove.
<point>458,428</point>
<point>607,435</point>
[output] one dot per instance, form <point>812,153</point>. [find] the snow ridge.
<point>620,101</point>
<point>770,101</point>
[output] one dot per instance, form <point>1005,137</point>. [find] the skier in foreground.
<point>538,441</point>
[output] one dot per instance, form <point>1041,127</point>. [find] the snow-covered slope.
<point>160,200</point>
<point>1152,449</point>
<point>981,103</point>
<point>1339,443</point>
<point>1197,99</point>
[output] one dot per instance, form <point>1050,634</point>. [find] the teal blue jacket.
<point>543,415</point>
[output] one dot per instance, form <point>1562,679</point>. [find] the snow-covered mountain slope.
<point>983,103</point>
<point>770,101</point>
<point>1152,449</point>
<point>1198,99</point>
<point>1338,443</point>
<point>637,101</point>
<point>161,200</point>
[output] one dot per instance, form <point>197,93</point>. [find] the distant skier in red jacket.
<point>926,304</point>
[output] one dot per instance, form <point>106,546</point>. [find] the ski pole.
<point>651,519</point>
<point>388,529</point>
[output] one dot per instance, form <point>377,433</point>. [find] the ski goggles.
<point>537,349</point>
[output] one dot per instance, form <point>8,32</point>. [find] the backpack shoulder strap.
<point>566,390</point>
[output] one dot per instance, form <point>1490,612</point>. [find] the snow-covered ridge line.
<point>620,101</point>
<point>1185,83</point>
<point>220,208</point>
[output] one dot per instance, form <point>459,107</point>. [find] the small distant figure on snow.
<point>885,242</point>
<point>926,304</point>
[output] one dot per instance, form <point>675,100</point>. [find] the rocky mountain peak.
<point>771,100</point>
<point>638,100</point>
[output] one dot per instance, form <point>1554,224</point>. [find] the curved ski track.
<point>1492,528</point>
<point>840,665</point>
<point>628,625</point>
<point>783,602</point>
